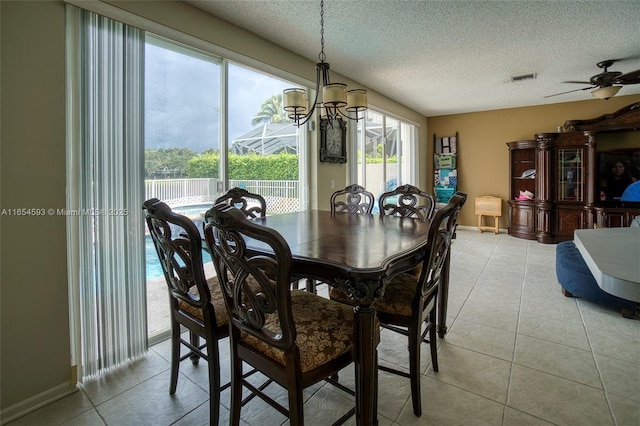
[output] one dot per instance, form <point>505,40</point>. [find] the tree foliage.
<point>271,111</point>
<point>167,163</point>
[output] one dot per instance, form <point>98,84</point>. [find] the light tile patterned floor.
<point>517,353</point>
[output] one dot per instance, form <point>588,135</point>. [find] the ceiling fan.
<point>605,83</point>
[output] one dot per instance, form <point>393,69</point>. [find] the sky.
<point>182,98</point>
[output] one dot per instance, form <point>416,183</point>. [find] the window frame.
<point>407,173</point>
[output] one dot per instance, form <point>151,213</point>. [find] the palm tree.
<point>271,112</point>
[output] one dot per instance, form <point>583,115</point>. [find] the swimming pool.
<point>153,267</point>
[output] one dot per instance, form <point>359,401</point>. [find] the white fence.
<point>181,192</point>
<point>281,195</point>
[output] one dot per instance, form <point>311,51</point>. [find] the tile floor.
<point>517,353</point>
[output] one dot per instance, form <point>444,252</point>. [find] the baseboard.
<point>38,401</point>
<point>158,337</point>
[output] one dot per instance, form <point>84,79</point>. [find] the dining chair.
<point>352,199</point>
<point>252,205</point>
<point>196,302</point>
<point>294,337</point>
<point>408,303</point>
<point>407,201</point>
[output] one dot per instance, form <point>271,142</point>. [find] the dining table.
<point>358,253</point>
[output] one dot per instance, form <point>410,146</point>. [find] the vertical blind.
<point>105,189</point>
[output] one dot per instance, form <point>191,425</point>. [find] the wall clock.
<point>333,140</point>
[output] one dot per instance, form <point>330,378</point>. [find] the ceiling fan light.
<point>606,92</point>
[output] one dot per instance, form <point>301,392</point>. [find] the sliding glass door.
<point>265,150</point>
<point>384,153</point>
<point>194,151</point>
<point>182,131</point>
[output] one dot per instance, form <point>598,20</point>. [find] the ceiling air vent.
<point>524,77</point>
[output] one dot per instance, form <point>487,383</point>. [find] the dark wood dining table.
<point>358,253</point>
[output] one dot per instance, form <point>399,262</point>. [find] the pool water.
<point>154,270</point>
<point>153,267</point>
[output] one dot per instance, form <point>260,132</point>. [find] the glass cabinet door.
<point>570,175</point>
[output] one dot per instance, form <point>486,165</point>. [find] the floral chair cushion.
<point>216,300</point>
<point>324,330</point>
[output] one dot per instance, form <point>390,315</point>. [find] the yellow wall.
<point>483,157</point>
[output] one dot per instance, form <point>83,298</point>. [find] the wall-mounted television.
<point>616,170</point>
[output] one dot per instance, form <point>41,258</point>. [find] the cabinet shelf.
<point>522,213</point>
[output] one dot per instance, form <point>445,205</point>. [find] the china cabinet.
<point>568,168</point>
<point>566,192</point>
<point>522,172</point>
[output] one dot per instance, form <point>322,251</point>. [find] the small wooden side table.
<point>489,206</point>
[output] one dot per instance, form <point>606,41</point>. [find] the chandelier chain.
<point>336,102</point>
<point>322,56</point>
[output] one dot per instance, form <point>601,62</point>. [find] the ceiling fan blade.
<point>577,82</point>
<point>632,77</point>
<point>570,91</point>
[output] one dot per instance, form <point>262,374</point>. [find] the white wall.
<point>34,300</point>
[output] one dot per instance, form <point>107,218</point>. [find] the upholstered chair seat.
<point>217,300</point>
<point>324,331</point>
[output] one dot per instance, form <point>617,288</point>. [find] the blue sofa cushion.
<point>575,277</point>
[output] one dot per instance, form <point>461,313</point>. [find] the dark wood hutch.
<point>567,179</point>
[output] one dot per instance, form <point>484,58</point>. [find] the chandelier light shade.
<point>356,100</point>
<point>295,100</point>
<point>606,92</point>
<point>335,94</point>
<point>336,101</point>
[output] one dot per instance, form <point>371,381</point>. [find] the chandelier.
<point>336,99</point>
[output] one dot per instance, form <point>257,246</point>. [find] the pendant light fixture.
<point>606,92</point>
<point>336,102</point>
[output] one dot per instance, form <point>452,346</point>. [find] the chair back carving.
<point>253,205</point>
<point>179,247</point>
<point>441,233</point>
<point>256,287</point>
<point>356,200</point>
<point>408,201</point>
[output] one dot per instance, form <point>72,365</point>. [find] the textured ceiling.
<point>447,57</point>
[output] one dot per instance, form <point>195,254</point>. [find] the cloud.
<point>182,99</point>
